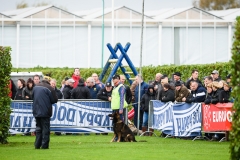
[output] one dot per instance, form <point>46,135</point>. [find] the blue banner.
<point>177,119</point>
<point>163,116</point>
<point>68,116</point>
<point>187,119</point>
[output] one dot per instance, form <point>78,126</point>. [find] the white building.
<point>51,37</point>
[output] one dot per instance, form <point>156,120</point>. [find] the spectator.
<point>194,77</point>
<point>28,90</point>
<point>68,89</point>
<point>160,89</point>
<point>76,77</point>
<point>97,81</point>
<point>106,93</point>
<point>53,83</point>
<point>81,91</point>
<point>150,95</point>
<point>198,93</point>
<point>165,78</point>
<point>180,91</point>
<point>19,94</point>
<point>209,94</point>
<point>167,94</point>
<point>215,75</point>
<point>132,88</point>
<point>143,90</point>
<point>207,80</point>
<point>128,95</point>
<point>13,89</point>
<point>93,88</point>
<point>216,92</point>
<point>228,78</point>
<point>224,96</point>
<point>177,77</point>
<point>36,79</point>
<point>64,82</point>
<point>43,98</point>
<point>157,82</point>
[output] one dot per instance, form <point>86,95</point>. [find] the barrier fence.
<point>189,119</point>
<point>70,116</point>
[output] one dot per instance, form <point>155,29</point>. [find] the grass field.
<point>99,147</point>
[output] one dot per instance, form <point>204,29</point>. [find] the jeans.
<point>145,119</point>
<point>136,117</point>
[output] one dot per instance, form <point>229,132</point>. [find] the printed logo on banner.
<point>84,116</point>
<point>207,116</point>
<point>187,119</point>
<point>162,117</point>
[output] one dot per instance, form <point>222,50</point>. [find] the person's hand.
<point>183,99</point>
<point>120,111</point>
<point>26,96</point>
<point>109,98</point>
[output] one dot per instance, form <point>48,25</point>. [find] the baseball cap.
<point>215,72</point>
<point>108,84</point>
<point>71,80</point>
<point>229,76</point>
<point>116,77</point>
<point>66,79</point>
<point>177,74</point>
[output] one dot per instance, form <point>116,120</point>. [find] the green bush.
<point>5,111</point>
<point>148,71</point>
<point>235,65</point>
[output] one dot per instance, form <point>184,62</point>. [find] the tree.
<point>216,4</point>
<point>22,4</point>
<point>5,111</point>
<point>235,81</point>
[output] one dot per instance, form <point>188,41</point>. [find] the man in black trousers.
<point>43,98</point>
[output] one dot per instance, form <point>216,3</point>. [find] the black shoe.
<point>37,147</point>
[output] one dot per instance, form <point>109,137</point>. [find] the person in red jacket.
<point>76,77</point>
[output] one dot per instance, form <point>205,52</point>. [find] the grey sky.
<point>77,5</point>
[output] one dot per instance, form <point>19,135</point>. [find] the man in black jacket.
<point>128,96</point>
<point>194,77</point>
<point>106,93</point>
<point>81,91</point>
<point>67,90</point>
<point>43,98</point>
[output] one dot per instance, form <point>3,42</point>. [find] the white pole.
<point>112,22</point>
<point>140,66</point>
<point>17,45</point>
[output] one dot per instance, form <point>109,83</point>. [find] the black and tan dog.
<point>121,130</point>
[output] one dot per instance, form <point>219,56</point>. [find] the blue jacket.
<point>144,89</point>
<point>94,91</point>
<point>43,98</point>
<point>198,95</point>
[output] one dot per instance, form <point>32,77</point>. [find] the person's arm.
<point>170,96</point>
<point>73,94</point>
<point>122,98</point>
<point>24,96</point>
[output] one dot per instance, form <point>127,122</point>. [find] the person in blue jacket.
<point>143,90</point>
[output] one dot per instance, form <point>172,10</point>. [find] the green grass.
<point>99,147</point>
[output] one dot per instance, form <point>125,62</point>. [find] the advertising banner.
<point>217,117</point>
<point>68,116</point>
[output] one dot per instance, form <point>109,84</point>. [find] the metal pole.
<point>102,34</point>
<point>140,66</point>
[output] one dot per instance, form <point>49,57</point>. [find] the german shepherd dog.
<point>121,130</point>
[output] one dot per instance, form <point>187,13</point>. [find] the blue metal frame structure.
<point>118,62</point>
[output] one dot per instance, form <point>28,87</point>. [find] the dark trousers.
<point>42,132</point>
<point>136,117</point>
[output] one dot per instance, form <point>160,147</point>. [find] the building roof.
<point>26,12</point>
<point>229,14</point>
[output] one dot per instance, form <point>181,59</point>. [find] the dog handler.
<point>43,97</point>
<point>118,96</point>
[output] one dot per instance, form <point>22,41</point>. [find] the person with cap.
<point>68,89</point>
<point>194,77</point>
<point>81,91</point>
<point>228,78</point>
<point>177,77</point>
<point>106,92</point>
<point>180,91</point>
<point>215,75</point>
<point>118,102</point>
